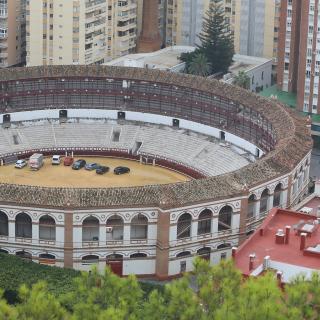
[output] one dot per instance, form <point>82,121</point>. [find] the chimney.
<point>251,259</point>
<point>287,238</point>
<point>149,39</point>
<point>303,241</point>
<point>266,263</point>
<point>234,251</point>
<point>261,232</point>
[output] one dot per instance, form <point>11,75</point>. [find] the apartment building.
<point>299,52</point>
<point>12,31</point>
<point>256,28</point>
<point>181,20</point>
<point>79,31</point>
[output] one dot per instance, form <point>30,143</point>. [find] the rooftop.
<point>285,257</point>
<point>285,97</point>
<point>164,59</point>
<point>246,63</point>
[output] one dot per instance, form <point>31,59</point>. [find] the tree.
<point>216,38</point>
<point>199,65</point>
<point>242,80</point>
<point>6,312</point>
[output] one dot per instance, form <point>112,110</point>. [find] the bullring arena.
<point>208,161</point>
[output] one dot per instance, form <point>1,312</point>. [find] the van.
<point>56,159</point>
<point>36,161</point>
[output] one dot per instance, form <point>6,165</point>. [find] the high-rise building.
<point>80,31</point>
<point>12,32</point>
<point>256,28</point>
<point>181,21</point>
<point>299,52</point>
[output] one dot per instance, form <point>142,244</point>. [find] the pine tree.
<point>216,38</point>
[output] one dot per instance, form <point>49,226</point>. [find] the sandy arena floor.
<point>62,176</point>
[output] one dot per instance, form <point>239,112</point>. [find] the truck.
<point>36,161</point>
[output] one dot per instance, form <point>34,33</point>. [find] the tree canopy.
<point>242,80</point>
<point>210,292</point>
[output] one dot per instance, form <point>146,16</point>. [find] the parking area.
<point>63,176</point>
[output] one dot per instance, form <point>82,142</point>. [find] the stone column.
<point>35,233</point>
<point>68,239</point>
<point>270,202</point>
<point>162,251</point>
<point>194,229</point>
<point>126,233</point>
<point>243,216</point>
<point>12,230</point>
<point>102,235</point>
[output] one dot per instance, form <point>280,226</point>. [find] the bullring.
<point>152,230</point>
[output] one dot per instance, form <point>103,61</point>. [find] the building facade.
<point>79,32</point>
<point>299,52</point>
<point>12,32</point>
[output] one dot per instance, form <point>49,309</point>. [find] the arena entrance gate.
<point>115,262</point>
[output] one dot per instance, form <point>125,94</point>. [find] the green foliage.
<point>216,38</point>
<point>15,271</point>
<point>209,293</point>
<point>242,80</point>
<point>199,65</point>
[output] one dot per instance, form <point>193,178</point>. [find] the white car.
<point>20,164</point>
<point>56,159</point>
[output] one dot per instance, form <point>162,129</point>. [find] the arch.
<point>224,246</point>
<point>184,226</point>
<point>90,229</point>
<point>47,256</point>
<point>4,224</point>
<point>204,253</point>
<point>251,206</point>
<point>204,221</point>
<point>264,201</point>
<point>90,259</point>
<point>225,218</point>
<point>23,226</point>
<point>277,195</point>
<point>23,254</point>
<point>183,254</point>
<point>4,251</point>
<point>138,255</point>
<point>115,228</point>
<point>47,228</point>
<point>139,227</point>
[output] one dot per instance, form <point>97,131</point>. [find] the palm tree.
<point>242,80</point>
<point>199,65</point>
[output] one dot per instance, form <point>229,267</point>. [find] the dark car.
<point>79,164</point>
<point>121,170</point>
<point>92,166</point>
<point>102,170</point>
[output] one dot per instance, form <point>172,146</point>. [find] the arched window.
<point>183,254</point>
<point>24,255</point>
<point>224,246</point>
<point>3,224</point>
<point>3,251</point>
<point>251,206</point>
<point>225,218</point>
<point>90,259</point>
<point>46,258</point>
<point>184,226</point>
<point>204,253</point>
<point>264,201</point>
<point>138,255</point>
<point>277,195</point>
<point>47,228</point>
<point>139,227</point>
<point>115,228</point>
<point>23,226</point>
<point>90,229</point>
<point>204,222</point>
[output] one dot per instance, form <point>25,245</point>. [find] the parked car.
<point>102,170</point>
<point>20,164</point>
<point>121,170</point>
<point>68,161</point>
<point>79,164</point>
<point>92,166</point>
<point>56,159</point>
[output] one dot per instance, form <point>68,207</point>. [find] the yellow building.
<point>256,27</point>
<point>12,32</point>
<point>79,31</point>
